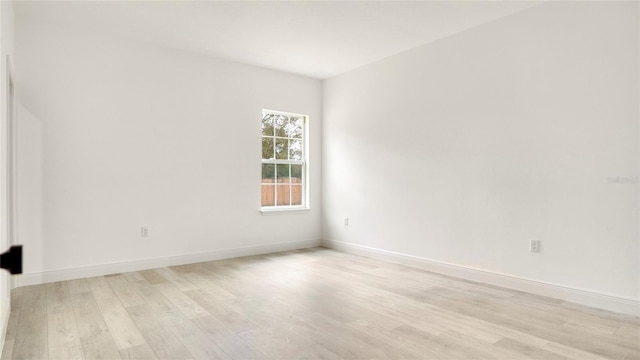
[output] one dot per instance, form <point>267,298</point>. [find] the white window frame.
<point>304,206</point>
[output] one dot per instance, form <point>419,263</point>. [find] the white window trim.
<point>291,209</point>
<point>284,211</point>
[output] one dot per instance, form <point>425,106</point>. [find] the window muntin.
<point>283,160</point>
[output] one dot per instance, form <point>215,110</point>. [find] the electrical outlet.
<point>346,221</point>
<point>534,246</point>
<point>144,231</point>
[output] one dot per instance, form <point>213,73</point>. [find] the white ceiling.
<point>319,39</point>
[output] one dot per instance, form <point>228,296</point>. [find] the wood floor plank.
<point>123,330</point>
<point>233,321</point>
<point>633,355</point>
<point>397,345</point>
<point>317,352</point>
<point>193,338</point>
<point>31,335</point>
<point>126,292</point>
<point>64,338</point>
<point>570,352</point>
<point>12,325</point>
<point>161,340</point>
<point>78,286</point>
<point>184,303</point>
<point>305,304</point>
<point>7,349</point>
<point>176,279</point>
<point>336,337</point>
<point>152,277</point>
<point>519,348</point>
<point>433,346</point>
<point>95,336</point>
<point>628,332</point>
<point>16,298</point>
<point>10,335</point>
<point>133,276</point>
<point>229,341</point>
<point>140,352</point>
<point>276,344</point>
<point>207,284</point>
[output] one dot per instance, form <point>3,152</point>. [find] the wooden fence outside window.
<point>288,190</point>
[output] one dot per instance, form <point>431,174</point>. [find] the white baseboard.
<point>584,297</point>
<point>144,264</point>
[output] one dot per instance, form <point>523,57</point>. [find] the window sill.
<point>284,211</point>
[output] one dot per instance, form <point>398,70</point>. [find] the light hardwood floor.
<point>306,304</point>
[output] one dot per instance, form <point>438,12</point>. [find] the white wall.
<point>462,150</point>
<point>137,135</point>
<point>6,49</point>
<point>29,173</point>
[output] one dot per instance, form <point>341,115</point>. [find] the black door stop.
<point>11,260</point>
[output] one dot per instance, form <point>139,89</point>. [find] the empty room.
<point>320,180</point>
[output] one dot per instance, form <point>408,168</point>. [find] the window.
<point>284,157</point>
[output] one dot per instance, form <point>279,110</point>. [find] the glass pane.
<point>295,149</point>
<point>296,174</point>
<point>283,173</point>
<point>282,149</point>
<point>267,124</point>
<point>281,122</point>
<point>267,148</point>
<point>283,194</point>
<point>295,127</point>
<point>268,195</point>
<point>268,173</point>
<point>296,194</point>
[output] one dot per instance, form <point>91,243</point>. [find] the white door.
<point>11,166</point>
